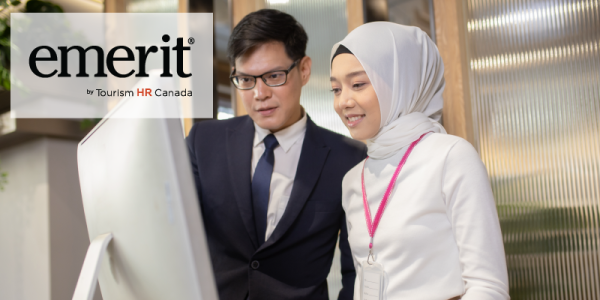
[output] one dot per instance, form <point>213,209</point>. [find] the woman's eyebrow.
<point>349,75</point>
<point>356,73</point>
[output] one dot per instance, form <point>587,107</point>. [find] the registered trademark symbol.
<point>191,41</point>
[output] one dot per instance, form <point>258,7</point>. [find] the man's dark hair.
<point>264,26</point>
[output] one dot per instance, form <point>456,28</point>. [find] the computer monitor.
<point>136,182</point>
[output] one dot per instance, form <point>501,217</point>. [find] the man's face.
<point>273,108</point>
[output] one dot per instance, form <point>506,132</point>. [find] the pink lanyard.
<point>372,225</point>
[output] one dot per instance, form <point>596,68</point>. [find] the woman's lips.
<point>267,111</point>
<point>354,120</point>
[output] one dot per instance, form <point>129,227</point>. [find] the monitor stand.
<point>86,285</point>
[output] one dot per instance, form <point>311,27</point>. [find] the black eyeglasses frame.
<point>231,76</point>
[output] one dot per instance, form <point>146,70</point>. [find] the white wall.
<point>43,234</point>
<point>24,223</point>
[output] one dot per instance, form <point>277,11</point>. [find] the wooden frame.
<point>115,6</point>
<point>355,13</point>
<point>450,32</point>
<point>239,9</point>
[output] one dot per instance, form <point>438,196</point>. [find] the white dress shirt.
<point>439,236</point>
<point>287,155</point>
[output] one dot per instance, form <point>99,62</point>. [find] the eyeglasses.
<point>273,78</point>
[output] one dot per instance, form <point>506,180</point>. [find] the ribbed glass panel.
<point>535,91</point>
<point>325,23</point>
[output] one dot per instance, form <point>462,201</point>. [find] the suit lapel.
<point>312,158</point>
<point>239,154</point>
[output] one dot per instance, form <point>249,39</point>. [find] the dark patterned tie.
<point>261,183</point>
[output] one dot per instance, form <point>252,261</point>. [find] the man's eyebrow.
<point>278,68</point>
<point>349,75</point>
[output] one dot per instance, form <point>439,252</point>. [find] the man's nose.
<point>261,91</point>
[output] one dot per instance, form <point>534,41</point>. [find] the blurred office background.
<point>522,85</point>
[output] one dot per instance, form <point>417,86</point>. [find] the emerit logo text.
<point>36,55</point>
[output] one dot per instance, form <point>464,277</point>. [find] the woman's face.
<point>355,99</point>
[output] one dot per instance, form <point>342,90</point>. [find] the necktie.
<point>261,183</point>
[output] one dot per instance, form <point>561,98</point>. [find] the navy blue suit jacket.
<point>295,261</point>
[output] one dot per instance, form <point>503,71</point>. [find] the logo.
<point>83,65</point>
<point>142,55</point>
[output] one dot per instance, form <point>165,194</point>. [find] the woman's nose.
<point>346,101</point>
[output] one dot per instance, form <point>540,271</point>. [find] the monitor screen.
<point>137,184</point>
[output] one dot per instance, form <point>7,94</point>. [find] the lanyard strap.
<point>372,225</point>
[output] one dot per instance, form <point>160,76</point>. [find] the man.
<point>269,183</point>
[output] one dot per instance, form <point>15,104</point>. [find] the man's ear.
<point>305,67</point>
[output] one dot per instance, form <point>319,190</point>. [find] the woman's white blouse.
<point>439,236</point>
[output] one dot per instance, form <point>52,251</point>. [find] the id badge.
<point>372,281</point>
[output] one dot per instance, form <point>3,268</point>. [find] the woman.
<point>437,234</point>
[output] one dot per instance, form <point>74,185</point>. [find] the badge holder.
<point>372,279</point>
<point>372,272</point>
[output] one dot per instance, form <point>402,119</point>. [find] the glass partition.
<point>535,95</point>
<point>325,23</point>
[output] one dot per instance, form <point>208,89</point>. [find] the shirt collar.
<point>286,137</point>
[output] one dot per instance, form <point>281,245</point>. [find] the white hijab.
<point>407,73</point>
